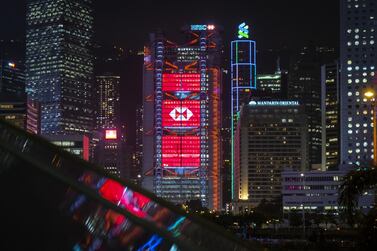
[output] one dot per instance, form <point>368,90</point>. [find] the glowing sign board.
<point>181,82</point>
<point>180,151</point>
<point>243,31</point>
<point>181,113</point>
<point>202,27</point>
<point>274,103</point>
<point>111,134</point>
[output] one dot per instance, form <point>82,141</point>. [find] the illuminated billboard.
<point>180,151</point>
<point>181,113</point>
<point>111,134</point>
<point>181,82</point>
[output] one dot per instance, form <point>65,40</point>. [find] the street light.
<point>369,95</point>
<point>303,204</point>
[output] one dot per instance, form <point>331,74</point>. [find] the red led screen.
<point>180,151</point>
<point>177,113</point>
<point>181,82</point>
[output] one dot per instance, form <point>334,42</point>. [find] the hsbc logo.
<point>181,114</point>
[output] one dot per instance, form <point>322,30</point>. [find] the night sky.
<point>275,25</point>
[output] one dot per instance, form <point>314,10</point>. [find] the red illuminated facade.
<point>181,152</point>
<point>181,82</point>
<point>181,144</point>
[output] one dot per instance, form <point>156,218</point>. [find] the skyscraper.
<point>330,109</point>
<point>358,50</point>
<point>12,79</point>
<point>110,150</point>
<point>270,136</point>
<point>304,85</point>
<point>59,64</point>
<point>244,80</point>
<point>12,93</point>
<point>181,132</point>
<point>108,98</point>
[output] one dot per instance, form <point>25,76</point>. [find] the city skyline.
<point>148,120</point>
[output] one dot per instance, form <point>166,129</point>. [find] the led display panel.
<point>181,82</point>
<point>111,134</point>
<point>181,113</point>
<point>180,151</point>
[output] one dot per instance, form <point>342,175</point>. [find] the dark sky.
<point>273,23</point>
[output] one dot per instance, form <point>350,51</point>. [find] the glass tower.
<point>243,81</point>
<point>182,117</point>
<point>59,64</point>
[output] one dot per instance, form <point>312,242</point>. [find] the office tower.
<point>275,84</point>
<point>305,86</point>
<point>108,98</point>
<point>330,109</point>
<point>12,93</point>
<point>243,81</point>
<point>12,79</point>
<point>78,145</point>
<point>59,64</point>
<point>110,152</point>
<point>270,136</point>
<point>270,82</point>
<point>358,50</point>
<point>181,132</point>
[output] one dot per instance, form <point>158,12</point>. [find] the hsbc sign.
<point>177,113</point>
<point>181,114</point>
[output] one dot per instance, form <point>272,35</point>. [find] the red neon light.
<point>181,82</point>
<point>111,134</point>
<point>85,148</point>
<point>132,201</point>
<point>176,113</point>
<point>181,151</point>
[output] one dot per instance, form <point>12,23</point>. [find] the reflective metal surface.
<point>92,209</point>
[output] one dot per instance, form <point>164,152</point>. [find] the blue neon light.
<point>236,88</point>
<point>243,31</point>
<point>155,240</point>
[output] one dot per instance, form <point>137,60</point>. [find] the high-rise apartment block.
<point>358,63</point>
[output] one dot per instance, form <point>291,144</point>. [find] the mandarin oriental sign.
<point>274,103</point>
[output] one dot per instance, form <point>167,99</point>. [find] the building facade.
<point>330,109</point>
<point>108,98</point>
<point>12,93</point>
<point>305,86</point>
<point>75,144</point>
<point>59,64</point>
<point>243,82</point>
<point>182,109</point>
<point>358,50</point>
<point>317,192</point>
<point>13,110</point>
<point>12,79</point>
<point>270,136</point>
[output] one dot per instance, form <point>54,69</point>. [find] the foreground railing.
<point>62,201</point>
